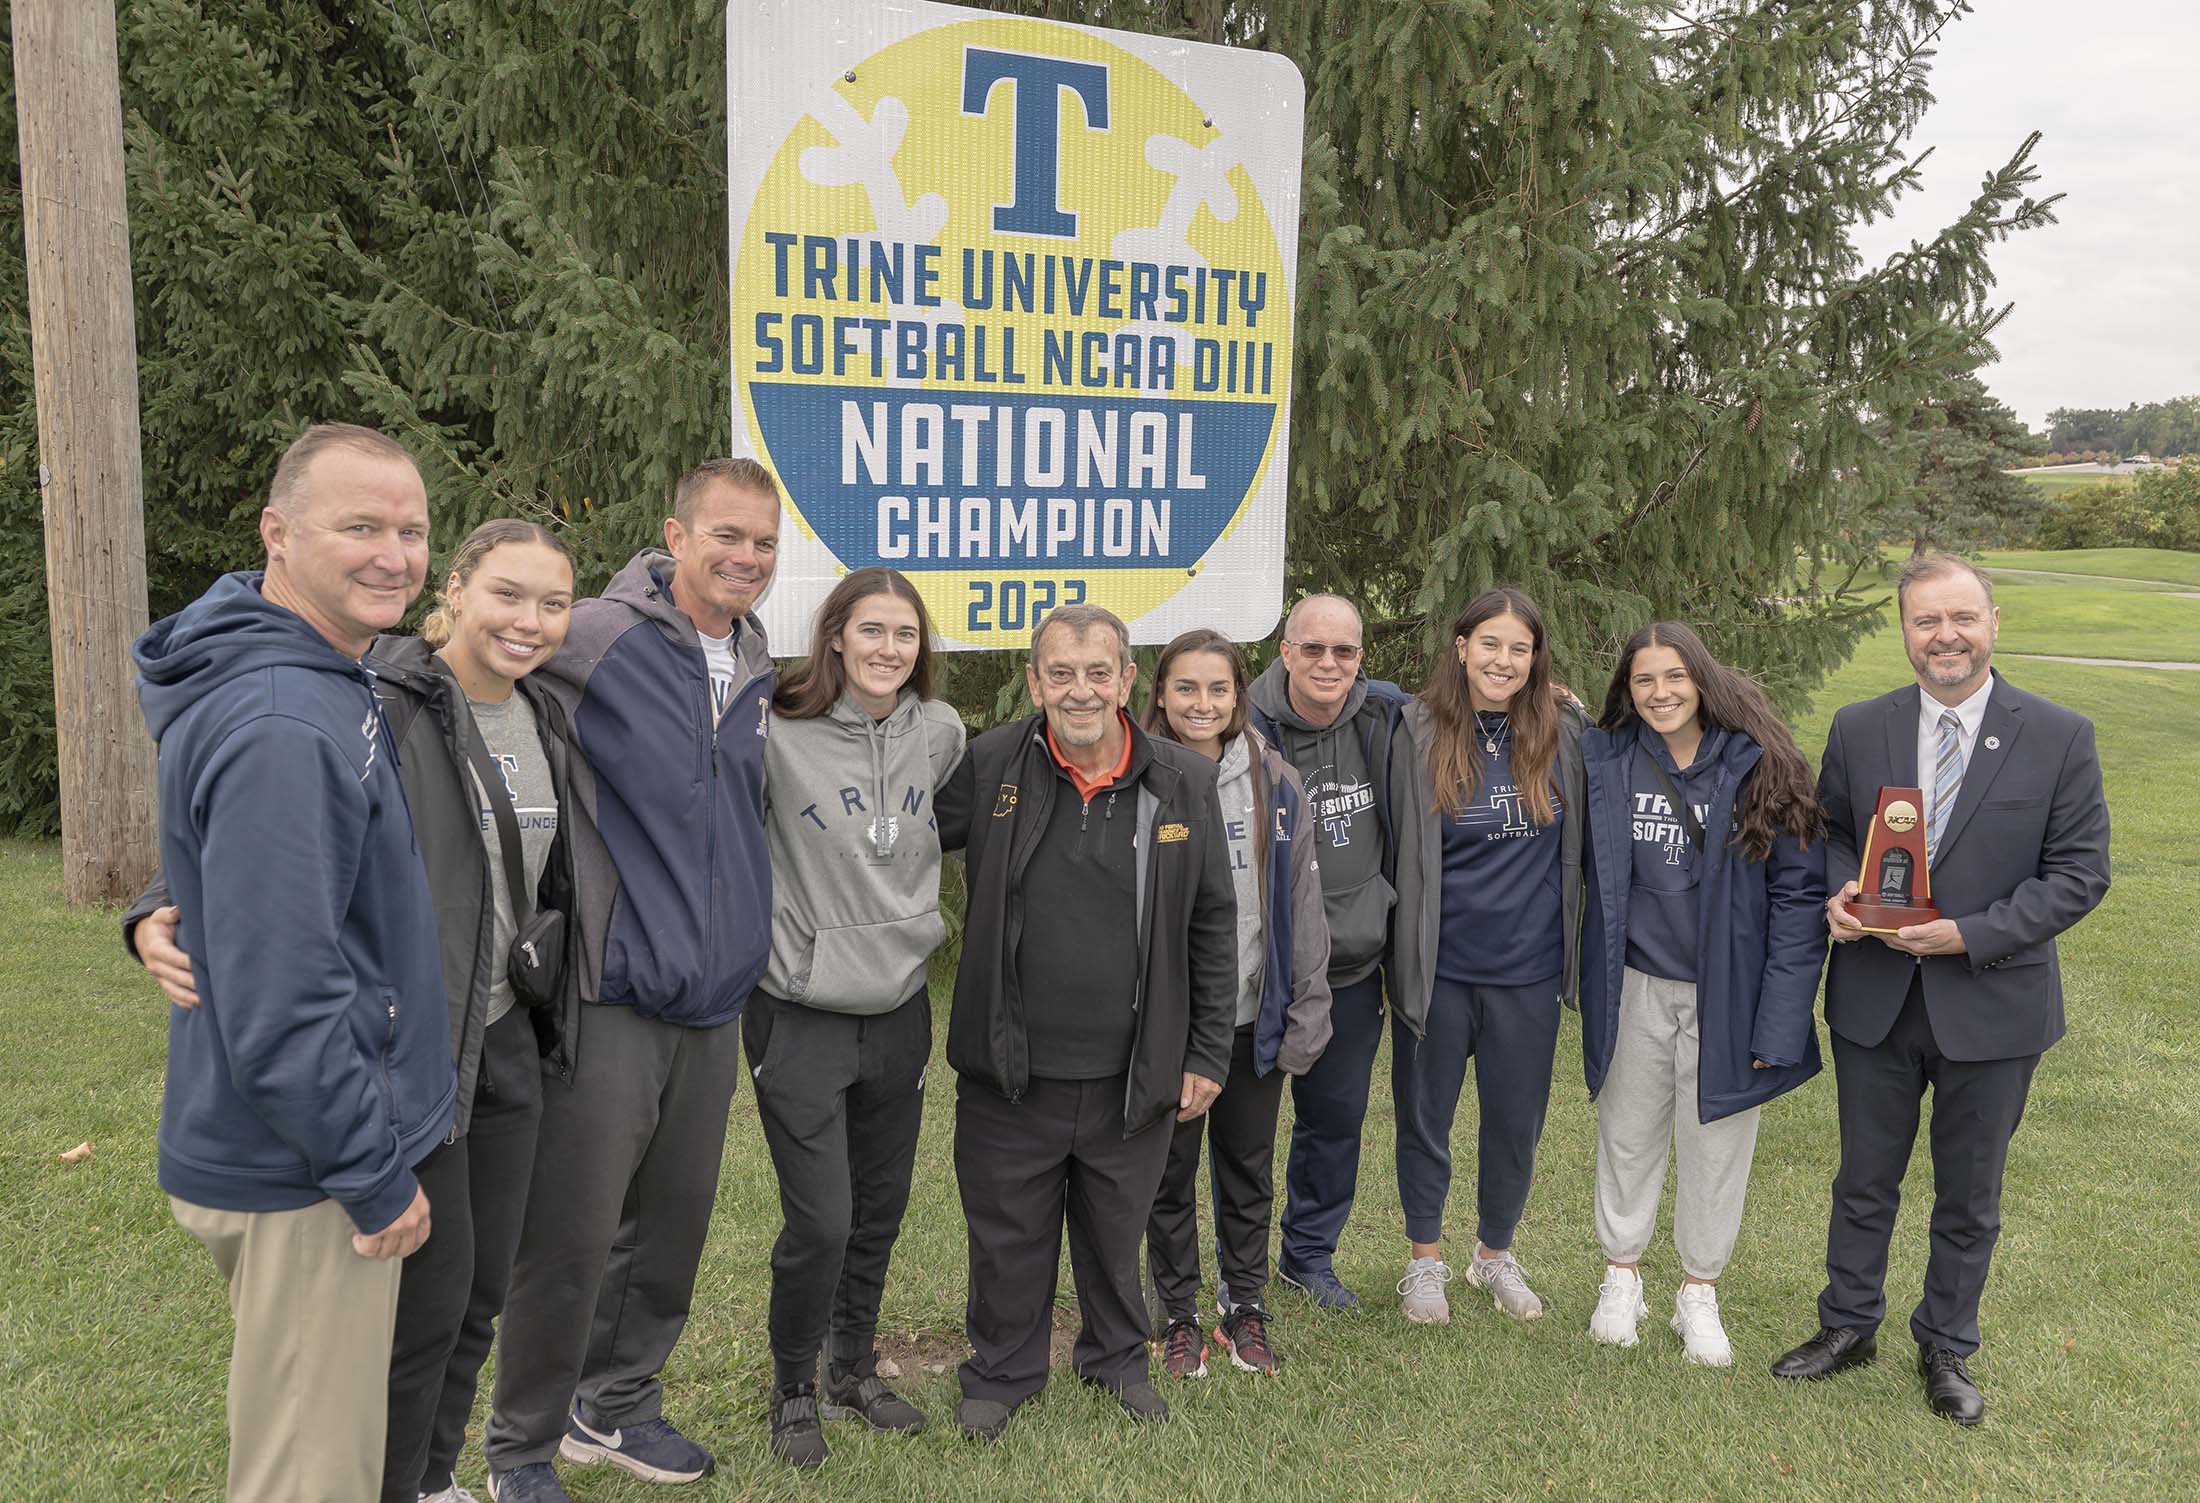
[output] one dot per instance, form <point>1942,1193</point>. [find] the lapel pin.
<point>1993,743</point>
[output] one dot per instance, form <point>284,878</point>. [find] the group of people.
<point>456,928</point>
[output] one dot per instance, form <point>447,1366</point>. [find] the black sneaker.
<point>1184,1350</point>
<point>867,1398</point>
<point>982,1419</point>
<point>1137,1396</point>
<point>1244,1335</point>
<point>797,1438</point>
<point>1141,1402</point>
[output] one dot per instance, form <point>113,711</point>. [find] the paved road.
<point>2178,587</point>
<point>2050,657</point>
<point>2085,469</point>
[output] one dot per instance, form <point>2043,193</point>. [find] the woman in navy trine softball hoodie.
<point>1701,948</point>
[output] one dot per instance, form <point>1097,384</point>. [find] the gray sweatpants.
<point>1648,1103</point>
<point>626,1176</point>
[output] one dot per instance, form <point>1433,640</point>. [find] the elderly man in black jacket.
<point>1095,1005</point>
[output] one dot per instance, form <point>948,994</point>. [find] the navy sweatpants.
<point>1511,1032</point>
<point>1328,1106</point>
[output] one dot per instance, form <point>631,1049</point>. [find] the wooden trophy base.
<point>1886,918</point>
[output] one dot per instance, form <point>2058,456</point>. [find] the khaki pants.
<point>309,1372</point>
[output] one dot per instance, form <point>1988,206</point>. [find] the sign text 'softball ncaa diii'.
<point>1012,312</point>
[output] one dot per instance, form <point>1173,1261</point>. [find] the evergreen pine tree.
<point>1579,306</point>
<point>1581,311</point>
<point>1960,445</point>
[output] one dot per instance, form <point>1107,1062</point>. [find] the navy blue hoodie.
<point>1760,930</point>
<point>317,1065</point>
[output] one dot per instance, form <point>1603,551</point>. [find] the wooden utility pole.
<point>76,241</point>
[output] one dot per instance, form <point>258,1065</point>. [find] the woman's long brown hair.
<point>1455,760</point>
<point>1781,794</point>
<point>813,686</point>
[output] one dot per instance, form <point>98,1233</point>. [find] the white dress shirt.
<point>1970,715</point>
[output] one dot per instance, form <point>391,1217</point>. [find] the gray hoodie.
<point>1345,795</point>
<point>855,853</point>
<point>1240,816</point>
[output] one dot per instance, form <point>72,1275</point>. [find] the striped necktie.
<point>1947,782</point>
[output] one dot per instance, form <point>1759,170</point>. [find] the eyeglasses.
<point>1346,653</point>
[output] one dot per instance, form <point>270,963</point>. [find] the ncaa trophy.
<point>1895,887</point>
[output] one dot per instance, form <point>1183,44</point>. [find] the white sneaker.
<point>1421,1291</point>
<point>1502,1276</point>
<point>452,1494</point>
<point>1696,1317</point>
<point>1620,1308</point>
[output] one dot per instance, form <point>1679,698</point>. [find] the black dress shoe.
<point>1137,1396</point>
<point>1948,1385</point>
<point>1832,1349</point>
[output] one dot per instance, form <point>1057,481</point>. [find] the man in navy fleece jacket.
<point>316,1070</point>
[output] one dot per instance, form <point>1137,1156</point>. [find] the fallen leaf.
<point>888,1368</point>
<point>78,1154</point>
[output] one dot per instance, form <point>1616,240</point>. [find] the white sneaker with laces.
<point>1421,1291</point>
<point>1620,1308</point>
<point>1502,1275</point>
<point>1696,1317</point>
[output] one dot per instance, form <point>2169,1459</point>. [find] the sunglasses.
<point>1346,653</point>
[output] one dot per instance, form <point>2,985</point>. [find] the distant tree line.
<point>2156,429</point>
<point>2153,509</point>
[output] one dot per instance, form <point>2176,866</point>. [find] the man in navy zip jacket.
<point>2017,847</point>
<point>316,1071</point>
<point>667,685</point>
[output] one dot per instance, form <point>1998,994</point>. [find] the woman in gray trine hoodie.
<point>840,1030</point>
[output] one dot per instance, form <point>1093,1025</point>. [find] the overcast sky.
<point>2108,300</point>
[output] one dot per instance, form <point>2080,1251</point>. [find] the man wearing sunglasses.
<point>1333,724</point>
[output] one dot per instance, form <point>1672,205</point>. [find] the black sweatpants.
<point>452,1289</point>
<point>841,1098</point>
<point>1240,1131</point>
<point>1977,1105</point>
<point>1024,1168</point>
<point>626,1176</point>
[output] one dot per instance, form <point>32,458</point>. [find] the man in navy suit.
<point>2017,845</point>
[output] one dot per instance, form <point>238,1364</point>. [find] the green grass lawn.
<point>115,1331</point>
<point>2052,486</point>
<point>2107,613</point>
<point>2126,563</point>
<point>2096,619</point>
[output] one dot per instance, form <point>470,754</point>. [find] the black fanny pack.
<point>536,962</point>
